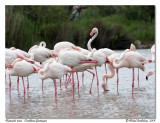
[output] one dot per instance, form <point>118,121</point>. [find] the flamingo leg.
<point>78,82</point>
<point>42,85</point>
<point>92,80</point>
<point>133,83</point>
<point>18,84</point>
<point>73,83</point>
<point>68,81</point>
<point>106,78</point>
<point>10,87</point>
<point>117,79</point>
<point>54,81</point>
<point>24,89</point>
<point>138,77</point>
<point>60,84</point>
<point>83,78</point>
<point>97,81</point>
<point>27,82</point>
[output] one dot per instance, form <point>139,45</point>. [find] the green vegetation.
<point>118,25</point>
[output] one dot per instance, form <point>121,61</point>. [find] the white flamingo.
<point>62,45</point>
<point>73,58</point>
<point>21,68</point>
<point>153,51</point>
<point>40,53</point>
<point>54,70</point>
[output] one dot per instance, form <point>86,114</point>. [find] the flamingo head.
<point>10,66</point>
<point>108,61</point>
<point>94,30</point>
<point>149,73</point>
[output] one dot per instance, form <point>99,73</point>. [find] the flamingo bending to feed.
<point>21,68</point>
<point>111,67</point>
<point>153,51</point>
<point>40,53</point>
<point>54,70</point>
<point>131,60</point>
<point>73,58</point>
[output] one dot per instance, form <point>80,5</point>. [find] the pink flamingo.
<point>54,70</point>
<point>73,58</point>
<point>131,59</point>
<point>40,53</point>
<point>153,51</point>
<point>111,67</point>
<point>21,68</point>
<point>105,52</point>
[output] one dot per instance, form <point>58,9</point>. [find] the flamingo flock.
<point>66,59</point>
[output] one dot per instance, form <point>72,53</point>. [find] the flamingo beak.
<point>92,32</point>
<point>149,61</point>
<point>55,55</point>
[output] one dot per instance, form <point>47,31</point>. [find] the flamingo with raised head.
<point>153,51</point>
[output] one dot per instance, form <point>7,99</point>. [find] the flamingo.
<point>40,53</point>
<point>21,68</point>
<point>131,59</point>
<point>100,54</point>
<point>109,60</point>
<point>23,53</point>
<point>54,70</point>
<point>153,51</point>
<point>64,44</point>
<point>73,58</point>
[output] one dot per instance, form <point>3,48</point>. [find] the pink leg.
<point>78,82</point>
<point>60,84</point>
<point>133,83</point>
<point>83,78</point>
<point>92,80</point>
<point>18,84</point>
<point>138,77</point>
<point>117,79</point>
<point>10,87</point>
<point>73,83</point>
<point>106,78</point>
<point>54,81</point>
<point>24,89</point>
<point>27,82</point>
<point>68,81</point>
<point>97,81</point>
<point>42,85</point>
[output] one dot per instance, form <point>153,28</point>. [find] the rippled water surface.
<point>107,105</point>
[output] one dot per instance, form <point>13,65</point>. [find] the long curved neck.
<point>90,41</point>
<point>109,75</point>
<point>115,61</point>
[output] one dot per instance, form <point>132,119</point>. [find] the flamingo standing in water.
<point>73,58</point>
<point>111,67</point>
<point>54,70</point>
<point>131,59</point>
<point>153,51</point>
<point>21,68</point>
<point>100,55</point>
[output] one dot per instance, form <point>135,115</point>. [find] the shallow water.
<point>107,105</point>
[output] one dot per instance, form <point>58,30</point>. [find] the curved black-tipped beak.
<point>146,77</point>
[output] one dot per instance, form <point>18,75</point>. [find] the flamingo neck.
<point>118,59</point>
<point>90,41</point>
<point>108,75</point>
